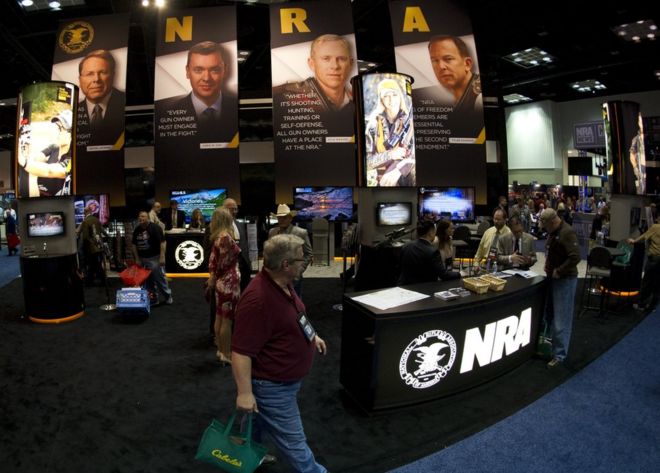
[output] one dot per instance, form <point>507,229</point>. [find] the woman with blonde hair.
<point>225,278</point>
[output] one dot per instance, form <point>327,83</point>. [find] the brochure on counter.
<point>390,298</point>
<point>519,272</point>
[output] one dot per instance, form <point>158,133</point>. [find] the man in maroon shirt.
<point>273,349</point>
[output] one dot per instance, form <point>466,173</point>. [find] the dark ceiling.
<point>577,33</point>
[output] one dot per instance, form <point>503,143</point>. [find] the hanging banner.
<point>196,101</point>
<point>45,155</point>
<point>434,43</point>
<point>386,142</point>
<point>92,52</point>
<point>312,60</point>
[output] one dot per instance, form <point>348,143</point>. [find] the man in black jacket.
<point>421,260</point>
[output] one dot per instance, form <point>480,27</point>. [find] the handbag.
<point>231,451</point>
<point>134,275</point>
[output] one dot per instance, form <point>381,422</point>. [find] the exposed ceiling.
<point>576,33</point>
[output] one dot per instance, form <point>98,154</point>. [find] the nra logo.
<point>429,357</point>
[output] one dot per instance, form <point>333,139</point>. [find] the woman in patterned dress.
<point>225,278</point>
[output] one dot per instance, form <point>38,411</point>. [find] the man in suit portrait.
<point>101,112</point>
<point>173,217</point>
<point>209,105</point>
<point>516,249</point>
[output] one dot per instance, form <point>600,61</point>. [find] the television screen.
<point>455,203</point>
<point>45,224</point>
<point>393,213</point>
<point>331,203</point>
<point>99,203</point>
<point>580,166</point>
<point>205,200</point>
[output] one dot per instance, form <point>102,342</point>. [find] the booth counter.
<point>431,348</point>
<point>185,254</point>
<point>52,287</point>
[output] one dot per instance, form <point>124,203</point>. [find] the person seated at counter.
<point>173,217</point>
<point>197,221</point>
<point>444,231</point>
<point>490,238</point>
<point>516,249</point>
<point>421,261</point>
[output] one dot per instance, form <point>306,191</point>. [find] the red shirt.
<point>266,329</point>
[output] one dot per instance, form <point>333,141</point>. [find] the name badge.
<point>306,327</point>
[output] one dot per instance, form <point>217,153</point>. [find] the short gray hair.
<point>280,248</point>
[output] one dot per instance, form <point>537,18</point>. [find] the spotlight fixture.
<point>530,57</point>
<point>45,5</point>
<point>27,3</point>
<point>657,74</point>
<point>54,5</point>
<point>589,85</point>
<point>145,3</point>
<point>159,3</point>
<point>637,31</point>
<point>365,66</point>
<point>516,98</point>
<point>243,56</point>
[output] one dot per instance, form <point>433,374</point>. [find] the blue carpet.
<point>9,267</point>
<point>603,419</point>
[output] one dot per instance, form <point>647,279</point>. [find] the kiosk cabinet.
<point>431,348</point>
<point>52,287</point>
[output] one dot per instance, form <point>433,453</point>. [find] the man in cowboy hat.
<point>284,226</point>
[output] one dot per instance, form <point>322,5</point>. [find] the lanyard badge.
<point>306,327</point>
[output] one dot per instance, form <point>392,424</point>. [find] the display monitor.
<point>45,224</point>
<point>98,203</point>
<point>455,203</point>
<point>393,213</point>
<point>331,203</point>
<point>206,200</point>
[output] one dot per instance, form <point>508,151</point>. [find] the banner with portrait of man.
<point>92,52</point>
<point>196,101</point>
<point>313,58</point>
<point>434,43</point>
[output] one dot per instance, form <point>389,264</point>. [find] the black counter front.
<point>185,254</point>
<point>431,348</point>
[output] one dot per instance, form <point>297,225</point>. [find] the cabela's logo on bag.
<point>189,255</point>
<point>427,359</point>
<point>76,36</point>
<point>217,453</point>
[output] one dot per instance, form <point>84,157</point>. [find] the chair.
<point>599,263</point>
<point>462,233</point>
<point>483,226</point>
<point>625,280</point>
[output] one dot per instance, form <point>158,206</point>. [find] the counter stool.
<point>599,265</point>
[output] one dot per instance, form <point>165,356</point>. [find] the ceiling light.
<point>364,66</point>
<point>530,57</point>
<point>516,98</point>
<point>54,5</point>
<point>589,85</point>
<point>145,3</point>
<point>636,31</point>
<point>27,3</point>
<point>160,3</point>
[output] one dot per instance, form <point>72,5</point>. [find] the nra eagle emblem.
<point>427,359</point>
<point>76,36</point>
<point>189,255</point>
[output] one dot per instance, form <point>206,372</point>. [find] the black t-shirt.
<point>49,186</point>
<point>147,240</point>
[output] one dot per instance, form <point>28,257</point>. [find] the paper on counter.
<point>525,274</point>
<point>390,298</point>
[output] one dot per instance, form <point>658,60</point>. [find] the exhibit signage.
<point>189,255</point>
<point>92,52</point>
<point>434,43</point>
<point>46,130</point>
<point>313,56</point>
<point>588,135</point>
<point>196,101</point>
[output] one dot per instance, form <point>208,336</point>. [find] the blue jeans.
<point>157,283</point>
<point>559,312</point>
<point>279,417</point>
<point>651,281</point>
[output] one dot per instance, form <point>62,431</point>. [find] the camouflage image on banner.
<point>92,52</point>
<point>196,101</point>
<point>434,43</point>
<point>313,57</point>
<point>46,130</point>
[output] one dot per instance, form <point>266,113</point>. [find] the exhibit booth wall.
<point>64,244</point>
<point>5,170</point>
<point>368,198</point>
<point>546,128</point>
<point>621,223</point>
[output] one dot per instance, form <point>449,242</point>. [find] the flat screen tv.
<point>99,203</point>
<point>393,213</point>
<point>205,200</point>
<point>45,224</point>
<point>455,203</point>
<point>331,203</point>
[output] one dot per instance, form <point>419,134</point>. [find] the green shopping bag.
<point>544,343</point>
<point>229,450</point>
